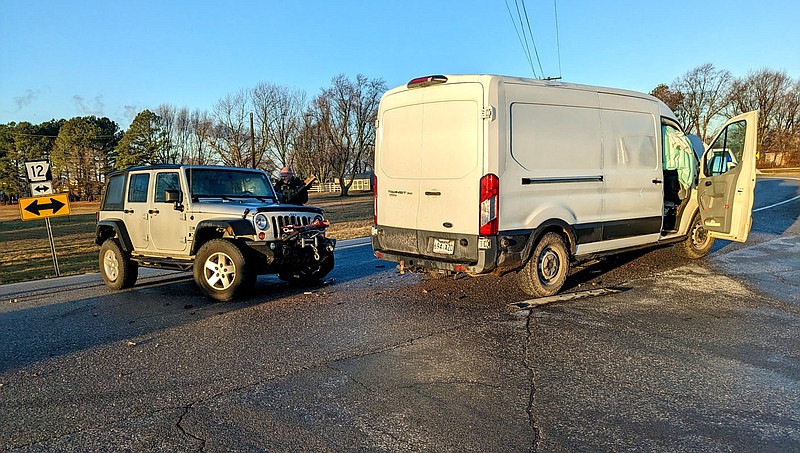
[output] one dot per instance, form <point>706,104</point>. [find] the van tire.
<point>698,243</point>
<point>546,271</point>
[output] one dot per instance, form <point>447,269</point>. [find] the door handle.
<point>433,194</point>
<point>657,181</point>
<point>152,211</point>
<point>128,211</point>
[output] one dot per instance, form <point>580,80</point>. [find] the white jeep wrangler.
<point>225,223</point>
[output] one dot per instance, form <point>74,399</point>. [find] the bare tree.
<point>705,93</point>
<point>167,113</point>
<point>673,99</point>
<point>766,91</point>
<point>312,150</point>
<point>346,113</point>
<point>278,114</point>
<point>230,135</point>
<point>182,134</point>
<point>200,125</point>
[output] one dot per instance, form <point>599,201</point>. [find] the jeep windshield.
<point>227,183</point>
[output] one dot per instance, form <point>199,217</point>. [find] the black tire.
<point>546,271</point>
<point>220,270</point>
<point>698,243</point>
<point>310,274</point>
<point>116,267</point>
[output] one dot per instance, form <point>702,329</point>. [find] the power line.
<point>525,50</point>
<point>558,41</point>
<point>533,41</point>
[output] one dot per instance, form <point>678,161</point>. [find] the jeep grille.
<point>284,220</point>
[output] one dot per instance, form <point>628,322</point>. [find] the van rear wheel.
<point>546,271</point>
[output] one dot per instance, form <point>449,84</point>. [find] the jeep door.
<point>135,212</point>
<point>167,224</point>
<point>728,179</point>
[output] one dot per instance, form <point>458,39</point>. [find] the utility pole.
<point>252,141</point>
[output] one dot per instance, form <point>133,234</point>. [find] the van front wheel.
<point>698,243</point>
<point>546,271</point>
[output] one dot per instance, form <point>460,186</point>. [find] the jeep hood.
<point>238,206</point>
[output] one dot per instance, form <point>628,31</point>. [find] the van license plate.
<point>443,246</point>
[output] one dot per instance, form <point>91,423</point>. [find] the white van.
<point>491,174</point>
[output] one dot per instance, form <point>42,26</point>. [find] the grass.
<point>26,249</point>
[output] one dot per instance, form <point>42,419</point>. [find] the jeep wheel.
<point>546,271</point>
<point>309,274</point>
<point>220,270</point>
<point>117,269</point>
<point>698,243</point>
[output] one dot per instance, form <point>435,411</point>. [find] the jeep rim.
<point>219,271</point>
<point>111,265</point>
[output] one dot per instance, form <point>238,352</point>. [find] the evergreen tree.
<point>145,142</point>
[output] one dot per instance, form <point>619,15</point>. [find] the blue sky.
<point>60,59</point>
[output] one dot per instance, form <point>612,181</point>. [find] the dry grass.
<point>26,249</point>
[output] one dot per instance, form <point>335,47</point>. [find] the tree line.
<point>705,96</point>
<point>330,135</point>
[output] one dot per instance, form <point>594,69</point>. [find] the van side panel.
<point>632,174</point>
<point>554,163</point>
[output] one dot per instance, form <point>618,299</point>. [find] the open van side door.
<point>728,178</point>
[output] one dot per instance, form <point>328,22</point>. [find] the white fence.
<point>358,184</point>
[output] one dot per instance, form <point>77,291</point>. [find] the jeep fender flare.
<point>117,226</point>
<point>227,229</point>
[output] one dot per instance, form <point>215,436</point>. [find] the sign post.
<point>43,207</point>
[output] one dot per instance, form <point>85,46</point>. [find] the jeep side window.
<point>114,197</point>
<point>165,182</point>
<point>137,191</point>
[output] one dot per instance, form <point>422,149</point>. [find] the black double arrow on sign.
<point>35,208</point>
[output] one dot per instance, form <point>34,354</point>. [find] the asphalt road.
<point>687,356</point>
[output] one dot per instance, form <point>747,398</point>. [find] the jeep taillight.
<point>490,192</point>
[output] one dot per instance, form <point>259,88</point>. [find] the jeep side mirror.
<point>174,196</point>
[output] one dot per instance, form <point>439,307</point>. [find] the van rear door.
<point>728,178</point>
<point>452,152</point>
<point>430,161</point>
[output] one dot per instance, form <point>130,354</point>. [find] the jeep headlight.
<point>261,222</point>
<point>318,218</point>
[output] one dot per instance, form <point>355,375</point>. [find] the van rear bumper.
<point>497,254</point>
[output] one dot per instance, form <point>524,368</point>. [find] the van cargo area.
<point>492,174</point>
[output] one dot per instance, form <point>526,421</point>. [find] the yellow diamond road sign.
<point>41,207</point>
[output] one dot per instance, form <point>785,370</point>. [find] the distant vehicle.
<point>490,174</point>
<point>225,223</point>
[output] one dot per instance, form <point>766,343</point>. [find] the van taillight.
<point>421,82</point>
<point>490,192</point>
<point>375,200</point>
